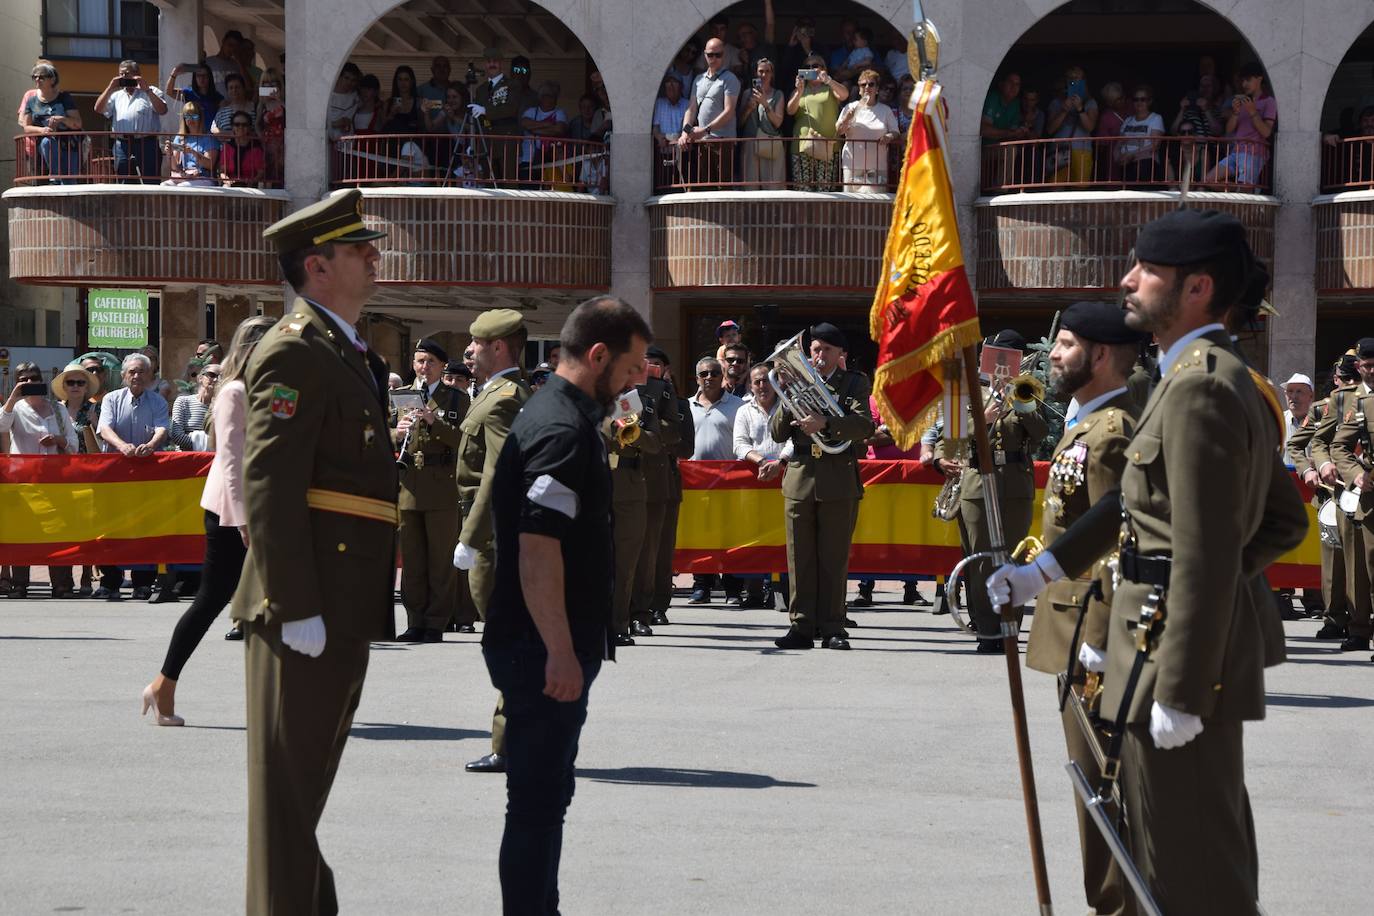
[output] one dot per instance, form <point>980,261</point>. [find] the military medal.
<point>816,451</point>
<point>419,460</point>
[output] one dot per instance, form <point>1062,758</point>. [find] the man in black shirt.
<point>548,624</point>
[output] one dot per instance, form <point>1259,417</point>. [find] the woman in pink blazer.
<point>226,532</point>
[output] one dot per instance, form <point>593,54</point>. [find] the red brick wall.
<point>1345,245</point>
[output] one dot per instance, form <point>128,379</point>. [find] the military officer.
<point>821,494</point>
<point>1351,451</point>
<point>1344,402</point>
<point>428,440</point>
<point>627,442</point>
<point>1202,519</point>
<point>1091,360</point>
<point>320,489</point>
<point>680,416</point>
<point>1014,435</point>
<point>657,467</point>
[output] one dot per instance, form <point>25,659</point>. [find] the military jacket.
<point>316,422</point>
<point>1203,485</point>
<point>660,466</point>
<point>1086,467</point>
<point>1014,437</point>
<point>627,461</point>
<point>828,477</point>
<point>484,431</point>
<point>1340,406</point>
<point>687,432</point>
<point>1350,448</point>
<point>429,479</point>
<point>1298,443</point>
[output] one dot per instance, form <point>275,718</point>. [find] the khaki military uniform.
<point>1085,468</point>
<point>1335,597</point>
<point>629,509</point>
<point>1357,534</point>
<point>821,494</point>
<point>320,489</point>
<point>1014,438</point>
<point>1204,486</point>
<point>658,468</point>
<point>1351,451</point>
<point>667,537</point>
<point>429,513</point>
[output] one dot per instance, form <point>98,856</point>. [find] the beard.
<point>604,393</point>
<point>1154,317</point>
<point>1065,381</point>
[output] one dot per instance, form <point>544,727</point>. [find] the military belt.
<point>1148,570</point>
<point>379,510</point>
<point>628,462</point>
<point>1011,458</point>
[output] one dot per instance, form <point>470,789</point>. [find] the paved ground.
<point>717,775</point>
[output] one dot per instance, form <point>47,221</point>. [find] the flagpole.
<point>1011,646</point>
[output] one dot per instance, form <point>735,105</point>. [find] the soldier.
<point>658,467</point>
<point>1014,436</point>
<point>1343,403</point>
<point>821,494</point>
<point>1092,357</point>
<point>627,444</point>
<point>1207,506</point>
<point>320,490</point>
<point>428,440</point>
<point>681,416</point>
<point>1351,451</point>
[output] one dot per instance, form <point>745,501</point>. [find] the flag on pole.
<point>923,310</point>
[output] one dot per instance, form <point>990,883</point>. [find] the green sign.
<point>117,318</point>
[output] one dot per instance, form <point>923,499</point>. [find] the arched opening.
<point>839,132</point>
<point>1347,121</point>
<point>1131,94</point>
<point>439,93</point>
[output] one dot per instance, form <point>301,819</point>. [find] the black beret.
<point>830,334</point>
<point>543,369</point>
<point>1345,367</point>
<point>1364,348</point>
<point>457,367</point>
<point>1190,237</point>
<point>1008,338</point>
<point>1100,322</point>
<point>433,349</point>
<point>656,352</point>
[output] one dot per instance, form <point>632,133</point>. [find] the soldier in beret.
<point>1351,451</point>
<point>1207,506</point>
<point>428,440</point>
<point>679,415</point>
<point>498,345</point>
<point>320,490</point>
<point>457,374</point>
<point>821,494</point>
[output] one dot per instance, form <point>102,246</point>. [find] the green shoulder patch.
<point>284,401</point>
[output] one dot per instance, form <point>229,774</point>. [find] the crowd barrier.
<point>111,510</point>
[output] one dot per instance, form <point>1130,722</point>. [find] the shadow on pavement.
<point>1317,701</point>
<point>393,731</point>
<point>71,638</point>
<point>672,776</point>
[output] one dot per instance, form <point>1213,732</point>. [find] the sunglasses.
<point>715,53</point>
<point>191,117</point>
<point>734,359</point>
<point>94,370</point>
<point>75,383</point>
<point>213,375</point>
<point>867,85</point>
<point>711,373</point>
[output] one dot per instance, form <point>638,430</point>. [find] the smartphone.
<point>29,389</point>
<point>128,82</point>
<point>758,83</point>
<point>810,73</point>
<point>1078,88</point>
<point>267,90</point>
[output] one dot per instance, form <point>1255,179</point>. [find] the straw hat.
<point>59,382</point>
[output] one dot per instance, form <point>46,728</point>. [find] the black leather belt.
<point>626,461</point>
<point>1148,570</point>
<point>1012,458</point>
<point>446,457</point>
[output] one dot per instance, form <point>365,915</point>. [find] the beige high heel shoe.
<point>150,700</point>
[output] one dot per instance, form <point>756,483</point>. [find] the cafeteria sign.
<point>117,318</point>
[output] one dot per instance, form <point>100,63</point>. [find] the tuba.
<point>803,392</point>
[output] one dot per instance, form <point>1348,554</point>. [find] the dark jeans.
<point>541,750</point>
<point>112,577</point>
<point>138,156</point>
<point>219,576</point>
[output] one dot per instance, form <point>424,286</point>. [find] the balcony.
<point>723,216</point>
<point>1344,216</point>
<point>1062,215</point>
<point>75,219</point>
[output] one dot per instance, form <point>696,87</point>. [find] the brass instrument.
<point>627,430</point>
<point>1025,392</point>
<point>1027,550</point>
<point>803,392</point>
<point>947,502</point>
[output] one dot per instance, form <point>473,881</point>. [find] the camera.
<point>470,77</point>
<point>810,73</point>
<point>30,389</point>
<point>127,82</point>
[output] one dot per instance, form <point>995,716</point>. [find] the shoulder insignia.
<point>509,392</point>
<point>292,328</point>
<point>1113,424</point>
<point>284,401</point>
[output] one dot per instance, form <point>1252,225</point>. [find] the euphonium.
<point>803,392</point>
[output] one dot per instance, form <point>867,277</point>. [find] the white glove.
<point>1015,585</point>
<point>1172,728</point>
<point>305,636</point>
<point>464,556</point>
<point>1091,658</point>
<point>477,111</point>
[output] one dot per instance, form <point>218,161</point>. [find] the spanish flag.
<point>923,310</point>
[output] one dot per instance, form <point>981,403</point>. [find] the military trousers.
<point>1335,598</point>
<point>975,538</point>
<point>299,712</point>
<point>427,574</point>
<point>482,579</point>
<point>819,534</point>
<point>630,517</point>
<point>1359,574</point>
<point>642,599</point>
<point>1192,835</point>
<point>1103,884</point>
<point>663,563</point>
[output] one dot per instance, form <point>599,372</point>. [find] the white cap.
<point>1298,379</point>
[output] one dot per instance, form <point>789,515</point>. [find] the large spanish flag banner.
<point>923,310</point>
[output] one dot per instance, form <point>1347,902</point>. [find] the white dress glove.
<point>464,556</point>
<point>1091,658</point>
<point>1172,728</point>
<point>476,110</point>
<point>1015,585</point>
<point>305,636</point>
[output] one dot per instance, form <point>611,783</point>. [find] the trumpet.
<point>627,430</point>
<point>1025,392</point>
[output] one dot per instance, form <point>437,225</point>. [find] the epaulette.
<point>1266,391</point>
<point>292,324</point>
<point>1190,361</point>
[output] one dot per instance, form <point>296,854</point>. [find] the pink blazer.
<point>224,486</point>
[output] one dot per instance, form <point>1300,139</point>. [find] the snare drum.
<point>1350,501</point>
<point>1326,524</point>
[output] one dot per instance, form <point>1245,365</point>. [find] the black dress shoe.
<point>794,639</point>
<point>658,619</point>
<point>850,622</point>
<point>991,645</point>
<point>432,636</point>
<point>19,592</point>
<point>491,763</point>
<point>639,628</point>
<point>835,642</point>
<point>465,628</point>
<point>699,596</point>
<point>865,596</point>
<point>107,594</point>
<point>623,639</point>
<point>1355,644</point>
<point>142,593</point>
<point>163,595</point>
<point>911,595</point>
<point>412,634</point>
<point>235,634</point>
<point>452,627</point>
<point>1331,631</point>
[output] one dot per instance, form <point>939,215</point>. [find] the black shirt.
<point>552,478</point>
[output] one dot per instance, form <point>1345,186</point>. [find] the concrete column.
<point>178,42</point>
<point>182,325</point>
<point>631,184</point>
<point>230,312</point>
<point>1292,335</point>
<point>311,69</point>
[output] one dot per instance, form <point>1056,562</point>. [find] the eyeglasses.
<point>734,359</point>
<point>715,53</point>
<point>710,373</point>
<point>867,85</point>
<point>75,383</point>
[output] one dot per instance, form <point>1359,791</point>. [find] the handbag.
<point>816,145</point>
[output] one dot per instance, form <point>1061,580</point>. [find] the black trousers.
<point>220,571</point>
<point>112,577</point>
